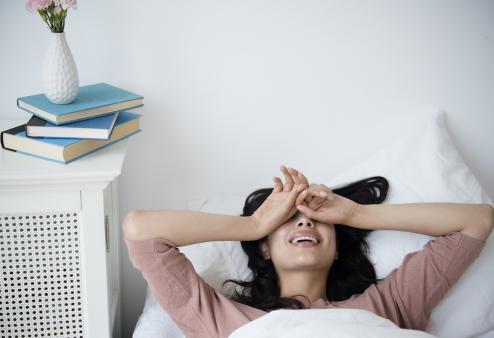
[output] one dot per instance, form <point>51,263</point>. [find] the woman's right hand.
<point>280,204</point>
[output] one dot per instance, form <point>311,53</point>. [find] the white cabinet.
<point>59,244</point>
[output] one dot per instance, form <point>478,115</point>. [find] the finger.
<point>293,195</point>
<point>301,197</point>
<point>319,190</point>
<point>326,187</point>
<point>297,178</point>
<point>327,195</point>
<point>323,193</point>
<point>294,174</point>
<point>312,200</point>
<point>292,171</point>
<point>278,185</point>
<point>288,179</point>
<point>315,193</point>
<point>316,203</point>
<point>308,212</point>
<point>308,199</point>
<point>303,178</point>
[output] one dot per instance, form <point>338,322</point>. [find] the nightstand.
<point>59,244</point>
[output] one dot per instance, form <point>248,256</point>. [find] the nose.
<point>304,221</point>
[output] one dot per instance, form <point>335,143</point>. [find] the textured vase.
<point>60,79</point>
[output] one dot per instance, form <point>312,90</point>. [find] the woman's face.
<point>301,244</point>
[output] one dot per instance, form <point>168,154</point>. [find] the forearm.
<point>434,219</point>
<point>187,227</point>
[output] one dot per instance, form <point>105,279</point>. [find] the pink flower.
<point>68,4</point>
<point>35,5</point>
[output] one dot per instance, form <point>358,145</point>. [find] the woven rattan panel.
<point>40,285</point>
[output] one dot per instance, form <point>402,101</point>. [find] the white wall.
<point>235,88</point>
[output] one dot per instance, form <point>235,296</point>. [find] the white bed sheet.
<point>328,323</point>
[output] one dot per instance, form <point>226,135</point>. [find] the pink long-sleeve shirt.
<point>406,296</point>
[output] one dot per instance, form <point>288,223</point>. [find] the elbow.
<point>482,227</point>
<point>489,219</point>
<point>130,224</point>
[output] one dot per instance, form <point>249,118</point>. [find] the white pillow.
<point>422,166</point>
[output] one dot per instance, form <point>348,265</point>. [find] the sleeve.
<point>197,308</point>
<point>409,293</point>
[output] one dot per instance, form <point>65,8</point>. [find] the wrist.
<point>357,212</point>
<point>253,228</point>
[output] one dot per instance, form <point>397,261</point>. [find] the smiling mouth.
<point>305,241</point>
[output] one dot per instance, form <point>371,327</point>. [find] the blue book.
<point>96,128</point>
<point>92,100</point>
<point>65,150</point>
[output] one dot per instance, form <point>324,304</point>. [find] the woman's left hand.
<point>319,203</point>
<point>315,195</point>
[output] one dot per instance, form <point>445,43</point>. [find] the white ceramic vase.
<point>60,79</point>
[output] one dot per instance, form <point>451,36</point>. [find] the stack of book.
<point>66,132</point>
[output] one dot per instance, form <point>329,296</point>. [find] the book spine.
<point>106,145</point>
<point>82,155</point>
<point>11,131</point>
<point>90,117</point>
<point>35,114</point>
<point>34,121</point>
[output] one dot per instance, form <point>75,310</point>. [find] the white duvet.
<point>324,323</point>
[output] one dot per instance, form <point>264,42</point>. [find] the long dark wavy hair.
<point>352,273</point>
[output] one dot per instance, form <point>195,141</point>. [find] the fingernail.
<point>323,194</point>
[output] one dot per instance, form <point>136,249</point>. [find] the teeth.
<point>301,238</point>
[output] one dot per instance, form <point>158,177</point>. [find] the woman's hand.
<point>316,195</point>
<point>280,204</point>
<point>319,203</point>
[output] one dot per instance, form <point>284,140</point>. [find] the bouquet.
<point>53,12</point>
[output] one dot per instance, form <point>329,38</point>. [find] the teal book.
<point>95,128</point>
<point>91,101</point>
<point>65,150</point>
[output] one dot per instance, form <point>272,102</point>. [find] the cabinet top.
<point>19,169</point>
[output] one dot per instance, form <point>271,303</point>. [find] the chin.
<point>309,262</point>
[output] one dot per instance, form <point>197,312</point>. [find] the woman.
<point>294,230</point>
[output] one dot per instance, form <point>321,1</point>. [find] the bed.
<point>422,166</point>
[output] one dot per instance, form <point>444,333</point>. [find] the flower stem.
<point>55,21</point>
